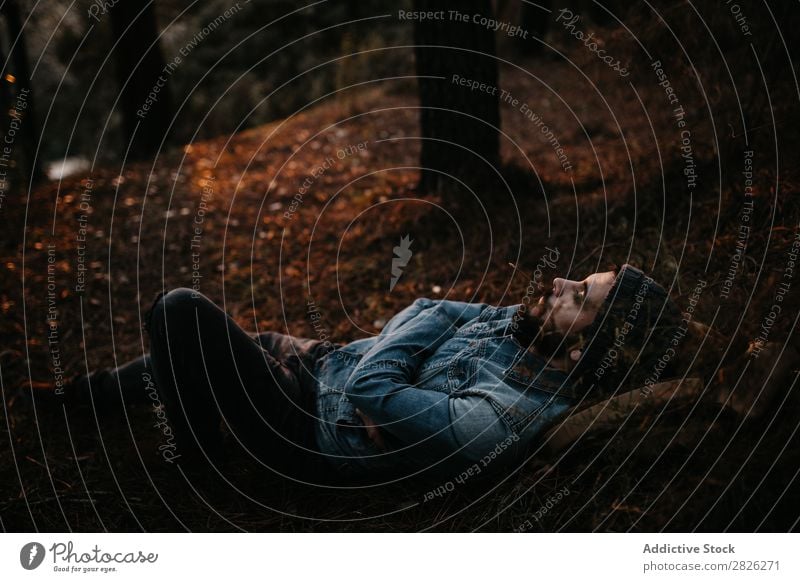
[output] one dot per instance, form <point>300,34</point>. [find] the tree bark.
<point>145,100</point>
<point>20,103</point>
<point>535,20</point>
<point>459,125</point>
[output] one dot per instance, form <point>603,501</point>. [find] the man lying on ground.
<point>446,386</point>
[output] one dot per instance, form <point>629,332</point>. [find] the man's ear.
<point>575,354</point>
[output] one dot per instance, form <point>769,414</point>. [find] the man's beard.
<point>530,331</point>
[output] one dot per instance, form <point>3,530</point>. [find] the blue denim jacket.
<point>450,388</point>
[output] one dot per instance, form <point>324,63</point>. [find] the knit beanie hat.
<point>634,328</point>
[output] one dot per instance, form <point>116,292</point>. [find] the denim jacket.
<point>448,385</point>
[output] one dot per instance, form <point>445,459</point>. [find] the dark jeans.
<point>207,370</point>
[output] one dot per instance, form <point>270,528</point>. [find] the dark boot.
<point>93,389</point>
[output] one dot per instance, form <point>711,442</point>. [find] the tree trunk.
<point>5,85</point>
<point>459,125</point>
<point>144,82</point>
<point>535,19</point>
<point>16,73</point>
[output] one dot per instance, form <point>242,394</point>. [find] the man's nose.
<point>564,286</point>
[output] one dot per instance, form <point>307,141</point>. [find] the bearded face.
<point>560,312</point>
<point>534,330</point>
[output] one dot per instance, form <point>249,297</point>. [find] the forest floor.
<point>263,253</point>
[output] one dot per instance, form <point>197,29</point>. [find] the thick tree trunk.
<point>144,83</point>
<point>16,74</point>
<point>459,125</point>
<point>535,19</point>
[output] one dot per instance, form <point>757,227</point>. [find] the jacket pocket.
<point>349,431</point>
<point>354,440</point>
<point>518,415</point>
<point>516,410</point>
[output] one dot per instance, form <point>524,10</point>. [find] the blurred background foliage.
<point>223,86</point>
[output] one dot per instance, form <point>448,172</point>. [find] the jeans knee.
<point>175,308</point>
<point>180,297</point>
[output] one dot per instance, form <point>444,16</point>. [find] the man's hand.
<point>373,432</point>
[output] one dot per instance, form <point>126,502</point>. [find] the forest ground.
<point>684,467</point>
